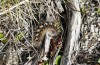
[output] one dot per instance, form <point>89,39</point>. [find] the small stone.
<point>92,28</point>
<point>99,39</point>
<point>96,30</point>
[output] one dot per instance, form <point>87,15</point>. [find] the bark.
<point>83,31</point>
<point>73,35</point>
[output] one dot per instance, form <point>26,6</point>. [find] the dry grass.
<point>18,19</point>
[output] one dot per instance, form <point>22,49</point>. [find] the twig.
<point>13,7</point>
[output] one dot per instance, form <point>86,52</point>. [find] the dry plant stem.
<point>76,23</point>
<point>70,53</point>
<point>23,2</point>
<point>47,44</point>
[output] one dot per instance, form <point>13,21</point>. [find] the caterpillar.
<point>41,32</point>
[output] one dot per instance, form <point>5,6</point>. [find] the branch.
<point>73,36</point>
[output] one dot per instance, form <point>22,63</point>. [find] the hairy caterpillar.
<point>41,31</point>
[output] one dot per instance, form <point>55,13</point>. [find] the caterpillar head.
<point>51,33</point>
<point>48,30</point>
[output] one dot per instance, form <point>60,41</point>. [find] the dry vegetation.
<point>78,21</point>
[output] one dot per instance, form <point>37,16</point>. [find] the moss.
<point>98,11</point>
<point>83,10</point>
<point>1,35</point>
<point>19,36</point>
<point>4,40</point>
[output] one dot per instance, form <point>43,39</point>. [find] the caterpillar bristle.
<point>41,29</point>
<point>46,23</point>
<point>37,34</point>
<point>36,39</point>
<point>38,30</point>
<point>51,23</point>
<point>41,26</point>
